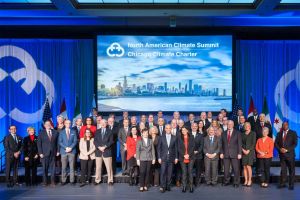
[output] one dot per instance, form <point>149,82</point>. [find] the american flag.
<point>47,112</point>
<point>235,109</point>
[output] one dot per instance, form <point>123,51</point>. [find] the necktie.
<point>15,139</point>
<point>103,132</point>
<point>49,135</point>
<point>161,130</point>
<point>211,140</point>
<point>262,125</point>
<point>228,136</point>
<point>68,134</point>
<point>284,135</point>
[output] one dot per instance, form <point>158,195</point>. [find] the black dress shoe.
<point>63,183</point>
<point>225,184</point>
<point>73,184</point>
<point>82,185</point>
<point>162,190</point>
<point>191,189</point>
<point>168,188</point>
<point>110,183</point>
<point>281,186</point>
<point>235,185</point>
<point>183,189</point>
<point>291,187</point>
<point>96,183</point>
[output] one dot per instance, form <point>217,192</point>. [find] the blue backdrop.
<point>263,65</point>
<point>31,69</point>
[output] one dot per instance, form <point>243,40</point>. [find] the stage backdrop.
<point>271,68</point>
<point>31,69</point>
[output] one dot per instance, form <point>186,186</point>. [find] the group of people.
<point>154,151</point>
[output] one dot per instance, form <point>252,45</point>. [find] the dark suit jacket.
<point>207,124</point>
<point>258,130</point>
<point>240,127</point>
<point>188,124</point>
<point>63,141</point>
<point>122,136</point>
<point>181,148</point>
<point>106,141</point>
<point>162,148</point>
<point>214,148</point>
<point>290,143</point>
<point>30,148</point>
<point>199,142</point>
<point>253,122</point>
<point>115,131</point>
<point>74,128</point>
<point>160,133</point>
<point>45,146</point>
<point>234,147</point>
<point>11,146</point>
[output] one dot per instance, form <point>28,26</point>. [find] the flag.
<point>265,110</point>
<point>77,113</point>
<point>278,119</point>
<point>251,108</point>
<point>236,107</point>
<point>47,115</point>
<point>63,109</point>
<point>93,104</point>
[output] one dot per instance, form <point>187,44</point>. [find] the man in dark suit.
<point>13,148</point>
<point>190,121</point>
<point>114,129</point>
<point>211,150</point>
<point>236,120</point>
<point>48,150</point>
<point>240,126</point>
<point>254,119</point>
<point>161,126</point>
<point>198,139</point>
<point>67,141</point>
<point>77,126</point>
<point>203,118</point>
<point>231,152</point>
<point>125,116</point>
<point>260,126</point>
<point>167,156</point>
<point>103,142</point>
<point>122,136</point>
<point>286,142</point>
<point>150,123</point>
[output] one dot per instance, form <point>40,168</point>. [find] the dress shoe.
<point>82,185</point>
<point>96,183</point>
<point>235,185</point>
<point>162,190</point>
<point>63,183</point>
<point>281,186</point>
<point>191,189</point>
<point>52,185</point>
<point>145,189</point>
<point>291,187</point>
<point>73,184</point>
<point>110,183</point>
<point>214,184</point>
<point>168,188</point>
<point>141,189</point>
<point>9,185</point>
<point>225,184</point>
<point>183,189</point>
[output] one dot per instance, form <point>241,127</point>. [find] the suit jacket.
<point>289,144</point>
<point>190,149</point>
<point>45,146</point>
<point>252,121</point>
<point>74,128</point>
<point>114,131</point>
<point>148,126</point>
<point>64,142</point>
<point>107,141</point>
<point>84,153</point>
<point>258,129</point>
<point>212,148</point>
<point>240,127</point>
<point>206,125</point>
<point>163,148</point>
<point>122,136</point>
<point>30,148</point>
<point>234,147</point>
<point>121,125</point>
<point>145,152</point>
<point>199,142</point>
<point>11,146</point>
<point>163,130</point>
<point>188,124</point>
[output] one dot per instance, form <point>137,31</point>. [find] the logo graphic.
<point>283,83</point>
<point>115,50</point>
<point>32,75</point>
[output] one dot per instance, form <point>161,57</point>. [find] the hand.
<point>138,162</point>
<point>125,148</point>
<point>213,155</point>
<point>134,155</point>
<point>41,155</point>
<point>159,161</point>
<point>26,158</point>
<point>282,150</point>
<point>153,162</point>
<point>16,154</point>
<point>239,156</point>
<point>262,153</point>
<point>186,156</point>
<point>222,156</point>
<point>176,161</point>
<point>36,156</point>
<point>57,154</point>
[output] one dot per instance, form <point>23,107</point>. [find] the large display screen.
<point>167,73</point>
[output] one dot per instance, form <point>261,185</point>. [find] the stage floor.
<point>123,191</point>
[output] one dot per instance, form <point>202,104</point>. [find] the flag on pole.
<point>236,107</point>
<point>251,108</point>
<point>47,115</point>
<point>93,105</point>
<point>77,113</point>
<point>265,110</point>
<point>278,119</point>
<point>63,109</point>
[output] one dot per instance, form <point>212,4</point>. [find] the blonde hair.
<point>30,128</point>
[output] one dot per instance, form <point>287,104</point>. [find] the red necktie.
<point>284,137</point>
<point>68,134</point>
<point>228,136</point>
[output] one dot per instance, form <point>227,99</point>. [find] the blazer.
<point>258,129</point>
<point>199,142</point>
<point>267,147</point>
<point>145,152</point>
<point>131,146</point>
<point>11,146</point>
<point>163,148</point>
<point>163,130</point>
<point>45,146</point>
<point>181,148</point>
<point>64,142</point>
<point>83,128</point>
<point>234,147</point>
<point>212,148</point>
<point>107,141</point>
<point>252,121</point>
<point>76,131</point>
<point>122,136</point>
<point>290,144</point>
<point>84,153</point>
<point>30,148</point>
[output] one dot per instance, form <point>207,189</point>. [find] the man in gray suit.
<point>211,150</point>
<point>122,136</point>
<point>231,153</point>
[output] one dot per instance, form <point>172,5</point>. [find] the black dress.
<point>248,143</point>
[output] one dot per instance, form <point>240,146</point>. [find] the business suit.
<point>156,167</point>
<point>103,138</point>
<point>240,127</point>
<point>161,130</point>
<point>189,124</point>
<point>87,157</point>
<point>30,150</point>
<point>206,124</point>
<point>211,146</point>
<point>114,130</point>
<point>48,147</point>
<point>289,142</point>
<point>199,142</point>
<point>254,121</point>
<point>186,165</point>
<point>150,125</point>
<point>231,149</point>
<point>122,136</point>
<point>12,144</point>
<point>77,131</point>
<point>67,140</point>
<point>167,154</point>
<point>145,153</point>
<point>259,129</point>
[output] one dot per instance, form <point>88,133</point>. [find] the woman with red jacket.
<point>88,125</point>
<point>131,142</point>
